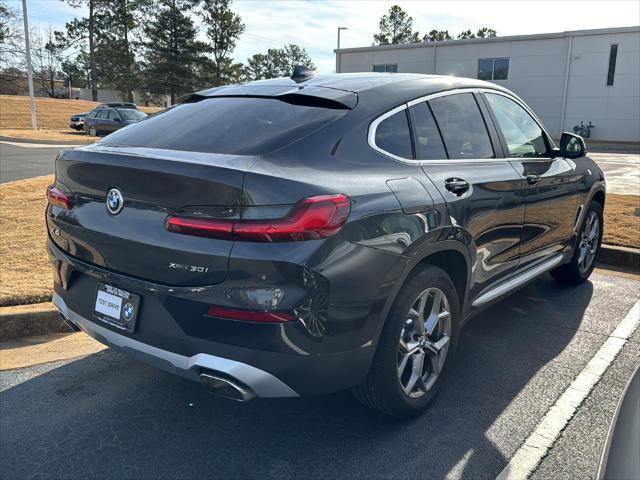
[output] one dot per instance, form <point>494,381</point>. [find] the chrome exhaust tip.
<point>72,326</point>
<point>226,387</point>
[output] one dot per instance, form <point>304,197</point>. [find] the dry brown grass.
<point>621,225</point>
<point>51,113</point>
<point>26,274</point>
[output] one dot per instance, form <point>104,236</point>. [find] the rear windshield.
<point>238,126</point>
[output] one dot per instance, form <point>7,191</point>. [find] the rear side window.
<point>427,137</point>
<point>113,115</point>
<point>393,136</point>
<point>228,125</point>
<point>101,114</point>
<point>463,129</point>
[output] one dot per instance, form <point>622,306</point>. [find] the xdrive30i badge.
<point>115,201</point>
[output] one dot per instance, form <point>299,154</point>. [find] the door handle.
<point>456,186</point>
<point>532,178</point>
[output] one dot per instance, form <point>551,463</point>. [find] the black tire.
<point>382,390</point>
<point>573,273</point>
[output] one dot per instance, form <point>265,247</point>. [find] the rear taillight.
<point>250,315</point>
<point>309,219</point>
<point>60,199</point>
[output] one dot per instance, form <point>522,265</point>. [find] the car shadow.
<point>110,417</point>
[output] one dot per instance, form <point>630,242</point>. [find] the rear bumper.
<point>174,334</point>
<point>263,384</point>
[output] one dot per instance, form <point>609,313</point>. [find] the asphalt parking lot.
<point>19,160</point>
<point>106,416</point>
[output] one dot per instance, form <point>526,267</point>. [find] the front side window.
<point>463,129</point>
<point>101,114</point>
<point>427,137</point>
<point>131,114</point>
<point>523,135</point>
<point>493,69</point>
<point>393,136</point>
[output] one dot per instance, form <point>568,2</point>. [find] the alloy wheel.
<point>589,238</point>
<point>92,131</point>
<point>424,342</point>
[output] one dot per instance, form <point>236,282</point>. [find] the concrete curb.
<point>41,142</point>
<point>30,320</point>
<point>623,257</point>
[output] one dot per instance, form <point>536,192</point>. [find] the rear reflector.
<point>250,315</point>
<point>60,199</point>
<point>309,219</point>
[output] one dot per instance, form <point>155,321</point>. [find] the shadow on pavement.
<point>107,416</point>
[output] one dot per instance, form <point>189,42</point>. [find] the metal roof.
<point>372,90</point>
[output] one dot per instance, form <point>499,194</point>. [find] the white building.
<point>567,78</point>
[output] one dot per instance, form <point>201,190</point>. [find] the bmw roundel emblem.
<point>115,201</point>
<point>127,312</point>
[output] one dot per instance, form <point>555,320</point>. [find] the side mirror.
<point>572,146</point>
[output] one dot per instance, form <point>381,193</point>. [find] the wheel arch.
<point>599,196</point>
<point>452,256</point>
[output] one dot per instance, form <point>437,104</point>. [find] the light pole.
<point>338,49</point>
<point>27,43</point>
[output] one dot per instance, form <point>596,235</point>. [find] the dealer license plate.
<point>116,307</point>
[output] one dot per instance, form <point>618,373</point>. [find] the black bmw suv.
<point>301,236</point>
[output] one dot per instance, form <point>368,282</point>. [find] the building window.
<point>493,69</point>
<point>389,68</point>
<point>613,55</point>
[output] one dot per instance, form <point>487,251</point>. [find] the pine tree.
<point>436,36</point>
<point>486,32</point>
<point>120,25</point>
<point>224,28</point>
<point>396,27</point>
<point>278,62</point>
<point>172,55</point>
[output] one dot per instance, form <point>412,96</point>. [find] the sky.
<point>312,24</point>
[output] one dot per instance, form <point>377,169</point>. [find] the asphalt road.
<point>106,416</point>
<point>18,162</point>
<point>622,170</point>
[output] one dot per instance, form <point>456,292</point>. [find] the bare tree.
<point>46,54</point>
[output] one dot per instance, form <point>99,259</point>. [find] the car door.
<point>551,186</point>
<point>90,119</point>
<point>101,120</point>
<point>112,123</point>
<point>481,188</point>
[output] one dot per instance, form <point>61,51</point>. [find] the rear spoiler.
<point>313,96</point>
